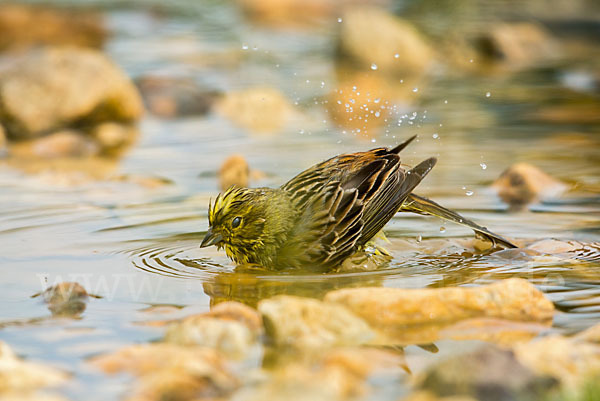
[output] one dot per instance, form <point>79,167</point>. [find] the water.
<point>137,247</point>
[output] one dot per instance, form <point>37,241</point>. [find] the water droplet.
<point>301,132</point>
<point>419,238</point>
<point>396,55</point>
<point>322,84</point>
<point>445,102</point>
<point>374,66</point>
<point>435,135</point>
<point>415,90</point>
<point>442,229</point>
<point>244,47</point>
<point>340,19</point>
<point>470,61</point>
<point>377,114</point>
<point>483,166</point>
<point>469,193</point>
<point>377,100</point>
<point>373,140</point>
<point>488,94</point>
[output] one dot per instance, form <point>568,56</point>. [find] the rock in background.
<point>58,88</point>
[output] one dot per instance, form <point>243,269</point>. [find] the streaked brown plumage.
<point>325,214</point>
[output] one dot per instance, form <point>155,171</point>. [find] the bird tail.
<point>420,205</point>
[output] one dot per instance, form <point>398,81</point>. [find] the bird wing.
<point>345,201</point>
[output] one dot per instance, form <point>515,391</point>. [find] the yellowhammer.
<point>325,214</point>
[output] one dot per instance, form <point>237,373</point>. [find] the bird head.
<point>236,222</point>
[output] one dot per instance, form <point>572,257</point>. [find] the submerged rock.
<point>489,373</point>
<point>234,172</point>
<point>20,377</point>
<point>372,38</point>
<point>309,323</point>
<point>66,299</point>
<point>90,87</point>
<point>513,299</point>
<point>229,327</point>
<point>25,26</point>
<point>169,371</point>
<point>259,110</point>
<point>523,183</point>
<point>175,97</point>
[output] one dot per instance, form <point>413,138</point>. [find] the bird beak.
<point>211,239</point>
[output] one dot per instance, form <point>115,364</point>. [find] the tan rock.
<point>259,110</point>
<point>114,138</point>
<point>171,97</point>
<point>29,396</point>
<point>169,371</point>
<point>591,334</point>
<point>513,299</point>
<point>336,374</point>
<point>523,183</point>
<point>2,140</point>
<point>90,88</point>
<point>34,25</point>
<point>64,143</point>
<point>309,323</point>
<point>570,360</point>
<point>234,172</point>
<point>17,375</point>
<point>286,12</point>
<point>429,396</point>
<point>372,37</point>
<point>229,327</point>
<point>517,44</point>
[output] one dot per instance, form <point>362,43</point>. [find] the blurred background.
<point>120,119</point>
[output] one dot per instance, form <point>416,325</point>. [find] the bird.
<point>326,214</point>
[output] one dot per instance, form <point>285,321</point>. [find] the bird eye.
<point>236,222</point>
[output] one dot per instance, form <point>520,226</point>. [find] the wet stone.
<point>310,323</point>
<point>91,88</point>
<point>114,138</point>
<point>371,37</point>
<point>385,308</point>
<point>258,110</point>
<point>229,327</point>
<point>171,97</point>
<point>169,371</point>
<point>523,183</point>
<point>336,374</point>
<point>234,172</point>
<point>516,44</point>
<point>25,26</point>
<point>571,360</point>
<point>487,374</point>
<point>20,377</point>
